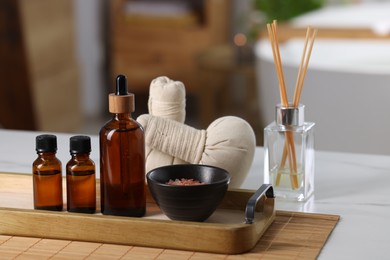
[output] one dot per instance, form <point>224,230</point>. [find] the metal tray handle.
<point>264,190</point>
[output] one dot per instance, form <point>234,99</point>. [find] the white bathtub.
<point>346,91</point>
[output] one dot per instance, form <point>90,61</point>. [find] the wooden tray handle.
<point>264,190</point>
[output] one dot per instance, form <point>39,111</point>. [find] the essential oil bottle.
<point>47,176</point>
<point>122,157</point>
<point>80,177</point>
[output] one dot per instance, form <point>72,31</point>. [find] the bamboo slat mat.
<point>291,236</point>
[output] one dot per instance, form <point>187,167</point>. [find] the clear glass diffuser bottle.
<point>289,154</point>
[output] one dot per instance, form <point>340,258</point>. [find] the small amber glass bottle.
<point>80,177</point>
<point>122,158</point>
<point>47,177</point>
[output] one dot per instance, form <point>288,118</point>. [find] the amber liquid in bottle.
<point>81,184</point>
<point>47,182</point>
<point>122,167</point>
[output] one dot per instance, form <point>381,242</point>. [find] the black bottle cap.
<point>121,86</point>
<point>46,143</point>
<point>80,144</point>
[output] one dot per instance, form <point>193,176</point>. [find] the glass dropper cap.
<point>121,101</point>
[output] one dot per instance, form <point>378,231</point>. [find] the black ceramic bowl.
<point>188,203</point>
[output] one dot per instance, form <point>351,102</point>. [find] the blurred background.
<point>59,59</point>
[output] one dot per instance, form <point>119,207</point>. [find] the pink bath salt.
<point>185,182</point>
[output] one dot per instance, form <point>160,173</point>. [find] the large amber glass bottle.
<point>47,175</point>
<point>122,157</point>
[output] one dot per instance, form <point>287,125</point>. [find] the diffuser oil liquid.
<point>282,181</point>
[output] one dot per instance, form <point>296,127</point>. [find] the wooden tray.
<point>235,227</point>
<point>292,235</point>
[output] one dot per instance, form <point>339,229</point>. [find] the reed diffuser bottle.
<point>289,154</point>
<point>47,177</point>
<point>289,141</point>
<point>122,157</point>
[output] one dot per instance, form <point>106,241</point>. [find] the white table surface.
<point>354,186</point>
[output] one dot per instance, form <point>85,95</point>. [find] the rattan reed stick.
<point>289,147</point>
